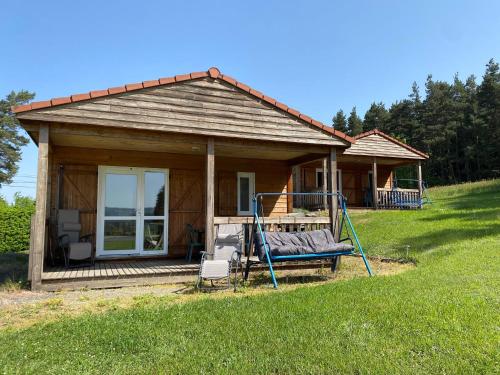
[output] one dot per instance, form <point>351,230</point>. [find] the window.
<point>246,190</point>
<point>319,179</point>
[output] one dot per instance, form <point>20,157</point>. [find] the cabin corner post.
<point>38,250</point>
<point>420,182</point>
<point>210,196</point>
<point>374,184</point>
<point>332,188</point>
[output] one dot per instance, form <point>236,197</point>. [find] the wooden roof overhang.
<point>178,115</point>
<point>385,148</point>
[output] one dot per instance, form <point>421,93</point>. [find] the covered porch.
<point>356,178</point>
<point>366,175</point>
<point>208,181</point>
<point>141,163</point>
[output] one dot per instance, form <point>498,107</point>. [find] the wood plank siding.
<point>205,107</point>
<point>376,145</point>
<point>78,187</point>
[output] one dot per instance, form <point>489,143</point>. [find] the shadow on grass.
<point>476,215</point>
<point>265,279</point>
<point>13,270</point>
<point>483,197</point>
<point>429,240</point>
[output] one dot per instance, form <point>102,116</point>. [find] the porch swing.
<point>409,202</point>
<point>273,247</point>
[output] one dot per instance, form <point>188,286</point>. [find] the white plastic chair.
<point>74,246</point>
<point>226,256</point>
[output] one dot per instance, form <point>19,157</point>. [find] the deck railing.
<point>276,224</point>
<point>399,198</point>
<point>309,202</point>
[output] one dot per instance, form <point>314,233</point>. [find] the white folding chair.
<point>226,256</point>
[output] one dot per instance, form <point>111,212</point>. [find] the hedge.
<point>15,222</point>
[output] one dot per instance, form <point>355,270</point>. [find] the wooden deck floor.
<point>136,272</point>
<point>117,269</point>
<point>108,274</point>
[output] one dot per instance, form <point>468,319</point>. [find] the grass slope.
<point>441,317</point>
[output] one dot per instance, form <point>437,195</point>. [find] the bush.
<point>15,220</point>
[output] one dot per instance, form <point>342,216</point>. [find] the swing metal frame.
<point>258,228</point>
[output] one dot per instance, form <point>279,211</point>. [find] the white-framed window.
<point>319,179</point>
<point>246,191</point>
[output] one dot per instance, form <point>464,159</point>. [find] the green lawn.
<point>441,317</point>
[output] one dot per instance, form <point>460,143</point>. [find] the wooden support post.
<point>332,188</point>
<point>289,189</point>
<point>210,197</point>
<point>297,186</point>
<point>374,184</point>
<point>333,202</point>
<point>420,182</point>
<point>325,183</point>
<point>41,208</point>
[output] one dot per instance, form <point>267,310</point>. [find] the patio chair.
<point>153,241</point>
<point>194,238</point>
<point>225,258</point>
<point>73,246</point>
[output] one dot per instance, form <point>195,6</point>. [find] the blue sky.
<point>315,56</point>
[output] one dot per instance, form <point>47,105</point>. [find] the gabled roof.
<point>391,139</point>
<point>212,73</point>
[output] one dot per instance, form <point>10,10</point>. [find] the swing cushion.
<point>300,243</point>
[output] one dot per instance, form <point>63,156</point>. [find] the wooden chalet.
<point>146,159</point>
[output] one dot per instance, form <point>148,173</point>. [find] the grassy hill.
<point>440,317</point>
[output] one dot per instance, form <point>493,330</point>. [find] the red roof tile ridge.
<point>212,72</point>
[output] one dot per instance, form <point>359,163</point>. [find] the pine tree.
<point>354,123</point>
<point>339,122</point>
<point>488,99</point>
<point>469,133</point>
<point>457,124</point>
<point>376,117</point>
<point>11,139</point>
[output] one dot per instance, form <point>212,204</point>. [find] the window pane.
<point>119,235</point>
<point>120,195</point>
<point>244,194</point>
<point>153,234</point>
<point>154,194</point>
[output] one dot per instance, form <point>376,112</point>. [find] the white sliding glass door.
<point>132,215</point>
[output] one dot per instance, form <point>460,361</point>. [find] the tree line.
<point>457,124</point>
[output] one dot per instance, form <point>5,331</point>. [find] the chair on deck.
<point>153,240</point>
<point>194,238</point>
<point>226,256</point>
<point>74,246</point>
